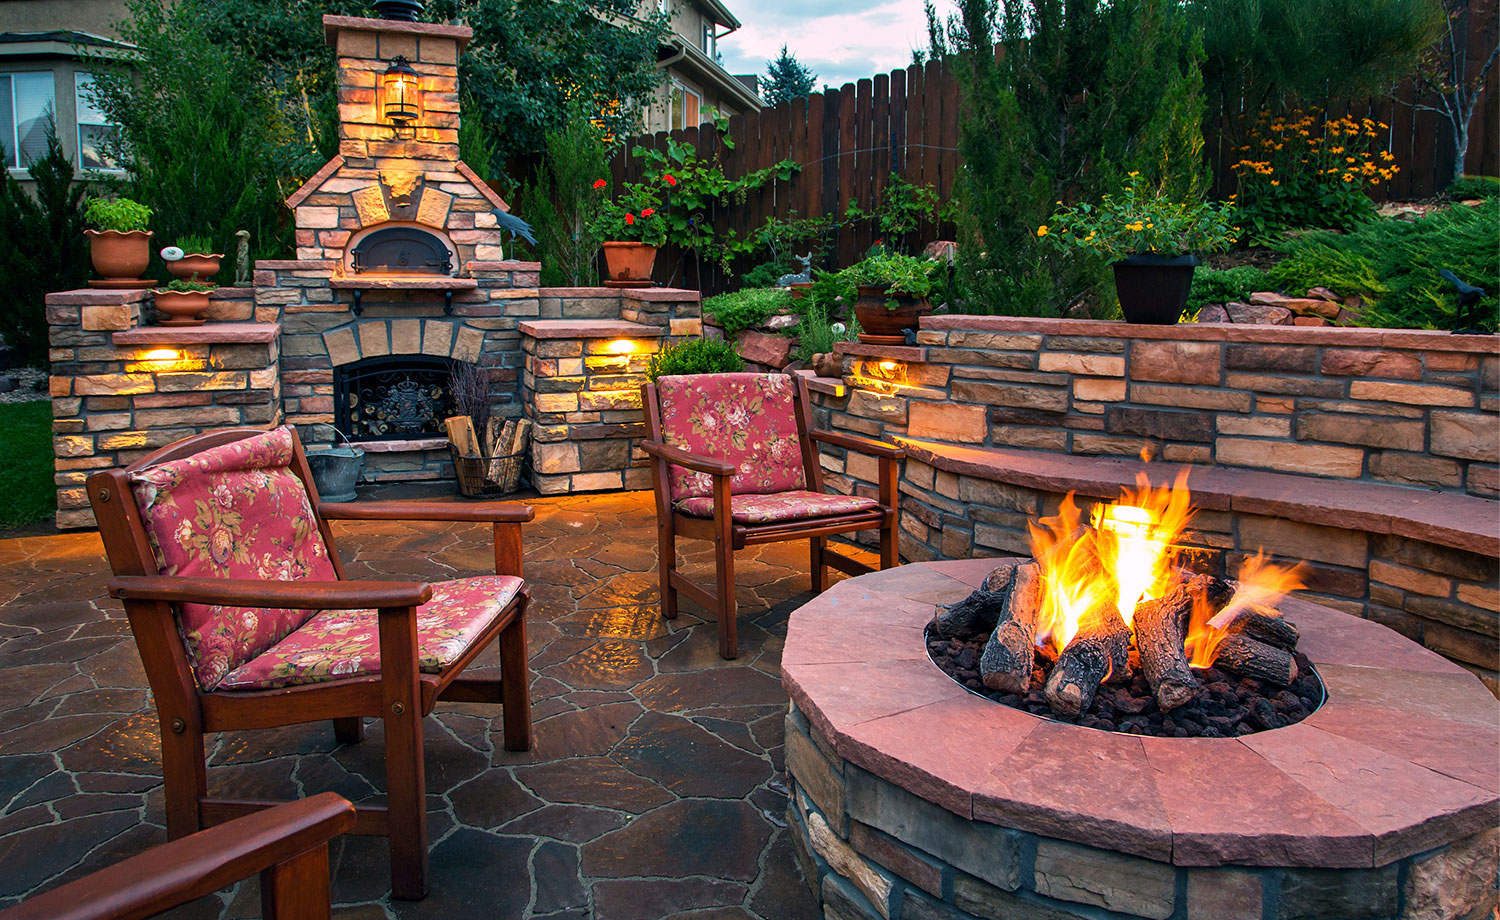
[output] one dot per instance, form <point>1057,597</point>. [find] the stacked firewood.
<point>497,455</point>
<point>1255,642</point>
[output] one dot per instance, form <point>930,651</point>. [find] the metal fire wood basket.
<point>487,476</point>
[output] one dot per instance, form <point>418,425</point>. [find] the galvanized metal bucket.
<point>336,470</point>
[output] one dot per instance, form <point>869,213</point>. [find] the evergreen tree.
<point>1086,91</point>
<point>787,78</point>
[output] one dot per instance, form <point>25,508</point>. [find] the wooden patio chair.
<point>735,461</point>
<point>287,845</point>
<point>224,559</point>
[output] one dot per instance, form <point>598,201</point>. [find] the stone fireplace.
<point>400,273</point>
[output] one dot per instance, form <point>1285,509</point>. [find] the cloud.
<point>841,40</point>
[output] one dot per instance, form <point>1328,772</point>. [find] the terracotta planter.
<point>1153,289</point>
<point>203,264</point>
<point>180,308</point>
<point>120,257</point>
<point>882,325</point>
<point>630,262</point>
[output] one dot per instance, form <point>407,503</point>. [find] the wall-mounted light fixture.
<point>399,86</point>
<point>621,347</point>
<point>164,360</point>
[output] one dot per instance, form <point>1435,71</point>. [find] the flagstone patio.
<point>655,789</point>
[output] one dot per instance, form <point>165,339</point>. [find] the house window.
<point>710,40</point>
<point>26,107</point>
<point>684,112</point>
<point>94,129</point>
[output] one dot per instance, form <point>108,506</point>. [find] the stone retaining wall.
<point>1406,407</point>
<point>873,851</point>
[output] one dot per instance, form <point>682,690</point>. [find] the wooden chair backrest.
<point>812,471</point>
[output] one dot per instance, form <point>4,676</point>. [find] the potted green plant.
<point>633,228</point>
<point>1153,242</point>
<point>183,302</point>
<point>119,243</point>
<point>893,291</point>
<point>193,256</point>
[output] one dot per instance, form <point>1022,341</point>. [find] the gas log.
<point>1101,649</point>
<point>1161,629</point>
<point>1249,657</point>
<point>1010,653</point>
<point>1265,626</point>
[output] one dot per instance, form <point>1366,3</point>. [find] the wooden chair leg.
<point>888,548</point>
<point>184,768</point>
<point>819,545</point>
<point>729,645</point>
<point>349,731</point>
<point>666,564</point>
<point>515,685</point>
<point>297,889</point>
<point>406,803</point>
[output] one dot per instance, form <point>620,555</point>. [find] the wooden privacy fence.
<point>848,142</point>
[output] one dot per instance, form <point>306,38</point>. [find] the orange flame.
<point>1072,578</point>
<point>1261,584</point>
<point>1138,539</point>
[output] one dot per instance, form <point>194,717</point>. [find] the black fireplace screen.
<point>396,397</point>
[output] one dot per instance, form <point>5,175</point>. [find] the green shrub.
<point>26,452</point>
<point>119,214</point>
<point>195,243</point>
<point>816,333</point>
<point>747,308</point>
<point>186,286</point>
<point>695,356</point>
<point>1394,264</point>
<point>1466,187</point>
<point>1230,284</point>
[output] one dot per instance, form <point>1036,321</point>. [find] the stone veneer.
<point>1369,454</point>
<point>913,798</point>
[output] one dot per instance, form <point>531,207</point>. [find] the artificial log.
<point>977,614</point>
<point>1160,630</point>
<point>1101,648</point>
<point>1247,657</point>
<point>1009,655</point>
<point>1264,626</point>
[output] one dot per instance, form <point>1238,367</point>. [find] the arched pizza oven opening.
<point>400,249</point>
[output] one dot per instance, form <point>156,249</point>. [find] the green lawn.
<point>26,458</point>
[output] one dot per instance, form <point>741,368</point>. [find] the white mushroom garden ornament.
<point>172,254</point>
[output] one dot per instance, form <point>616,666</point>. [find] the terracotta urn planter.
<point>180,308</point>
<point>630,262</point>
<point>883,325</point>
<point>203,264</point>
<point>1153,289</point>
<point>120,257</point>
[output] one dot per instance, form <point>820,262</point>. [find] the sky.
<point>841,40</point>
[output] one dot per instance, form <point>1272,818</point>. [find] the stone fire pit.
<point>914,797</point>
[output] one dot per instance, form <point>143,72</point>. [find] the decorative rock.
<point>1323,293</point>
<point>783,321</point>
<point>1300,305</point>
<point>1258,314</point>
<point>760,348</point>
<point>1213,313</point>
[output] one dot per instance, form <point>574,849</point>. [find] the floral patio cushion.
<point>346,643</point>
<point>233,511</point>
<point>783,506</point>
<point>744,419</point>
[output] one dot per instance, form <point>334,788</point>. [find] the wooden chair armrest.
<point>426,511</point>
<point>196,865</point>
<point>854,442</point>
<point>694,462</point>
<point>253,592</point>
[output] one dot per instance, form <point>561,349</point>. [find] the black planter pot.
<point>399,10</point>
<point>1153,288</point>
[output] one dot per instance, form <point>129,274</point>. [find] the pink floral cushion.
<point>783,506</point>
<point>744,419</point>
<point>346,643</point>
<point>234,511</point>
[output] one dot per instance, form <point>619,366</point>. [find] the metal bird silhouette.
<point>1468,296</point>
<point>515,225</point>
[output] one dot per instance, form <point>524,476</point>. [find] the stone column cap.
<point>332,25</point>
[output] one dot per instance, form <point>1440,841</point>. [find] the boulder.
<point>1212,313</point>
<point>783,321</point>
<point>1309,321</point>
<point>1322,293</point>
<point>1302,306</point>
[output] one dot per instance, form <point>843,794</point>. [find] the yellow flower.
<point>1042,230</point>
<point>1348,177</point>
<point>1089,237</point>
<point>1134,173</point>
<point>1275,181</point>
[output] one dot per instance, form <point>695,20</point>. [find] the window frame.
<point>79,124</point>
<point>12,143</point>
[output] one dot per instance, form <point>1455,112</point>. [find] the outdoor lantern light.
<point>400,83</point>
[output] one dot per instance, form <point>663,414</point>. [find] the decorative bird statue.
<point>517,227</point>
<point>1468,296</point>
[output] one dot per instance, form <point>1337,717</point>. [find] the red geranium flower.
<point>648,212</point>
<point>669,179</point>
<point>600,183</point>
<point>630,218</point>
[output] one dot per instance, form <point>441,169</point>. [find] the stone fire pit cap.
<point>1400,759</point>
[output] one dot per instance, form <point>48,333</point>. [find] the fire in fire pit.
<point>1108,628</point>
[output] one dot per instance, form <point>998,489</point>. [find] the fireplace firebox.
<point>393,398</point>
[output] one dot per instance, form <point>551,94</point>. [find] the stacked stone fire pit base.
<point>913,798</point>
